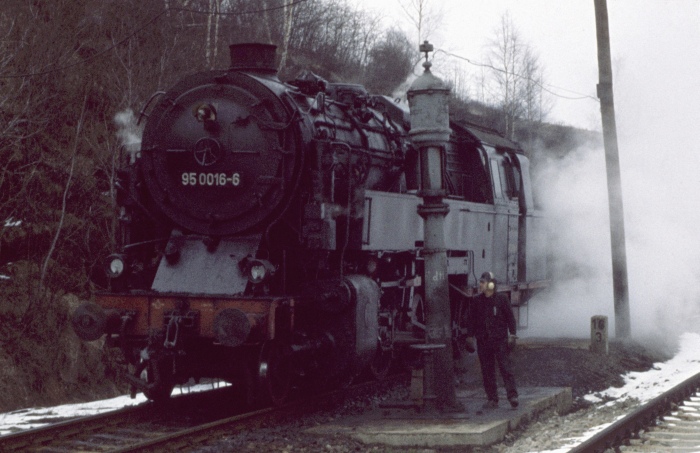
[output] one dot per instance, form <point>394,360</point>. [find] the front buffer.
<point>327,335</point>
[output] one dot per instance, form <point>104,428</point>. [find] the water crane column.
<point>430,132</point>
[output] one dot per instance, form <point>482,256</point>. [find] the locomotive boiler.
<point>269,232</point>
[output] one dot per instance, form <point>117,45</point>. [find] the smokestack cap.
<point>253,57</point>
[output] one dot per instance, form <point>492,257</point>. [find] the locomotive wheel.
<point>274,372</point>
<point>381,364</point>
<point>244,385</point>
<point>159,378</point>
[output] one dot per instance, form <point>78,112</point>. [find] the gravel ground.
<point>552,363</point>
<point>554,432</point>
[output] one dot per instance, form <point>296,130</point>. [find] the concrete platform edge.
<point>479,428</point>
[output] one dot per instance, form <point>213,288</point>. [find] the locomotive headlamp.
<point>260,270</point>
<point>115,265</point>
<point>372,265</point>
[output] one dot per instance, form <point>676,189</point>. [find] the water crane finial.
<point>426,47</point>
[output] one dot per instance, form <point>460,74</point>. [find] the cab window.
<point>510,178</point>
<point>496,177</point>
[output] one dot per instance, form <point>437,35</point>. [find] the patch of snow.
<point>647,385</point>
<point>640,387</point>
<point>22,419</point>
<point>11,222</point>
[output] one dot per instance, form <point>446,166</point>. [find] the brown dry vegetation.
<point>42,362</point>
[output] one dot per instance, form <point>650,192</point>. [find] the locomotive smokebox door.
<point>217,152</point>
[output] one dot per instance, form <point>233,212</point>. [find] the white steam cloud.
<point>573,195</point>
<point>662,215</point>
<point>657,101</point>
<point>128,132</point>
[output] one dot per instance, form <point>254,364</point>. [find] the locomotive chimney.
<point>254,57</point>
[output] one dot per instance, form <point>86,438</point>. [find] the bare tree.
<point>212,31</point>
<point>64,198</point>
<point>332,38</point>
<point>425,16</point>
<point>536,104</point>
<point>505,56</point>
<point>460,83</point>
<point>287,36</point>
<point>390,62</point>
<point>516,78</point>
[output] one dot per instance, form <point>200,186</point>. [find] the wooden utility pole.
<point>612,165</point>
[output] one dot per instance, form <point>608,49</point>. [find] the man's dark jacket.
<point>490,318</point>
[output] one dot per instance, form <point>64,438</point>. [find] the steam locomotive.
<point>269,233</point>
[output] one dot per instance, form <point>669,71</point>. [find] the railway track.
<point>180,424</point>
<point>116,429</point>
<point>668,423</point>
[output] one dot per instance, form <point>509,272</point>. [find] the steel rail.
<point>628,427</point>
<point>82,427</point>
<point>39,437</point>
<point>124,426</point>
<point>189,438</point>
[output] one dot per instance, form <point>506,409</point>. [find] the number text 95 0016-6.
<point>211,179</point>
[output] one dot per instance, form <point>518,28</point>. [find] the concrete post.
<point>599,334</point>
<point>430,132</point>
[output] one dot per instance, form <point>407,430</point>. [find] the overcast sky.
<point>654,43</point>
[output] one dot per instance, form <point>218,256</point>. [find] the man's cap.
<point>487,277</point>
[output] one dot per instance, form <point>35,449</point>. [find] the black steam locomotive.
<point>270,232</point>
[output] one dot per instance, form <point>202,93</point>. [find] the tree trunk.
<point>288,16</point>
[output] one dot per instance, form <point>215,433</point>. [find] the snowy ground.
<point>18,420</point>
<point>609,406</point>
<point>561,433</point>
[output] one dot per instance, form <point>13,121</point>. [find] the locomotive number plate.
<point>211,179</point>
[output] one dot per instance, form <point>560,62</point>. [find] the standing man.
<point>490,321</point>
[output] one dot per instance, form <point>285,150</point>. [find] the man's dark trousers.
<point>492,353</point>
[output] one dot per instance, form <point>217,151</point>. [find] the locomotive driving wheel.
<point>381,363</point>
<point>274,372</point>
<point>384,356</point>
<point>244,386</point>
<point>158,376</point>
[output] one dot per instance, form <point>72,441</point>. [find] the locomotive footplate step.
<point>474,427</point>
